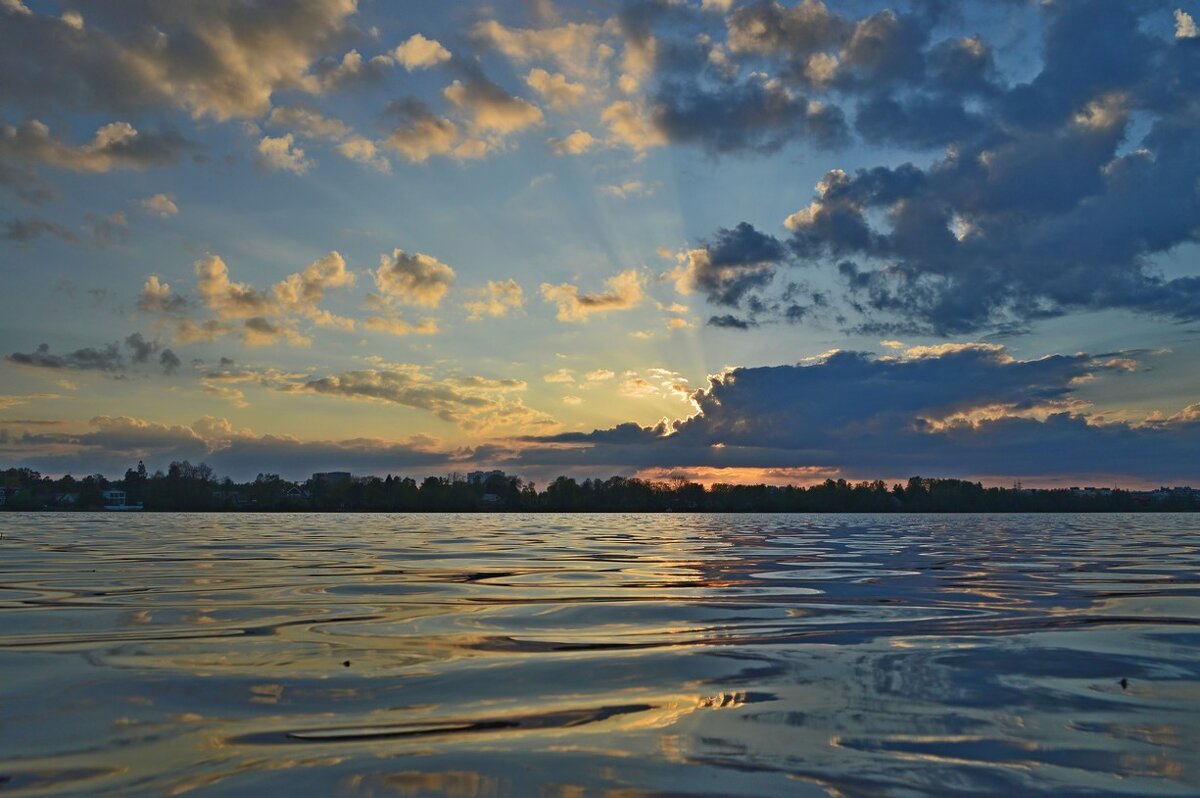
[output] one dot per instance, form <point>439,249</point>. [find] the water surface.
<point>599,655</point>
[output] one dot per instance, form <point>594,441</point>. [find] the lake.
<point>600,655</point>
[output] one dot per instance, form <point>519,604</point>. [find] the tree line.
<point>188,487</point>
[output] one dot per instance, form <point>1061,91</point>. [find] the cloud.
<point>366,152</point>
<point>229,300</point>
<point>560,376</point>
<point>630,188</point>
<point>736,261</point>
<point>1041,203</point>
<point>496,300</point>
<point>1185,26</point>
<point>574,47</point>
<point>655,383</point>
<point>160,205</point>
<point>399,327</point>
<point>142,349</point>
<point>312,124</point>
<point>417,52</point>
<point>297,294</point>
<point>260,331</point>
<point>923,122</point>
<point>730,322</point>
<point>418,279</point>
<point>261,317</point>
<point>221,60</point>
<point>24,230</point>
<point>112,444</point>
<point>956,410</point>
<point>352,69</point>
<point>308,122</point>
<point>559,92</point>
<point>759,114</point>
<point>281,153</point>
<point>302,292</point>
<point>492,110</point>
<point>576,143</point>
<point>157,297</point>
<point>420,134</point>
<point>169,361</point>
<point>630,125</point>
<point>963,410</point>
<point>109,230</point>
<point>767,28</point>
<point>1047,197</point>
<point>23,180</point>
<point>624,291</point>
<point>117,145</point>
<point>234,396</point>
<point>107,359</point>
<point>883,48</point>
<point>473,404</point>
<point>9,401</point>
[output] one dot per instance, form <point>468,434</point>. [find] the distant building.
<point>331,477</point>
<point>116,500</point>
<point>66,499</point>
<point>295,492</point>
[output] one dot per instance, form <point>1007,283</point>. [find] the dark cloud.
<point>1090,48</point>
<point>1047,196</point>
<point>221,59</point>
<point>730,322</point>
<point>1043,202</point>
<point>743,245</point>
<point>110,230</point>
<point>920,120</point>
<point>169,361</point>
<point>758,114</point>
<point>352,70</point>
<point>1031,227</point>
<point>114,443</point>
<point>108,359</point>
<point>117,145</point>
<point>961,410</point>
<point>141,348</point>
<point>23,180</point>
<point>964,66</point>
<point>470,402</point>
<point>736,261</point>
<point>885,48</point>
<point>418,132</point>
<point>797,32</point>
<point>23,230</point>
<point>491,108</point>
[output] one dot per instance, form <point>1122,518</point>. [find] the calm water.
<point>600,655</point>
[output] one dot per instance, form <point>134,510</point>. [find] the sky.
<point>733,241</point>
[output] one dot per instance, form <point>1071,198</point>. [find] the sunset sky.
<point>738,240</point>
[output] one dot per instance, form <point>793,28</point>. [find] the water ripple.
<point>462,655</point>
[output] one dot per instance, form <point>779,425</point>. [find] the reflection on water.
<point>600,655</point>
